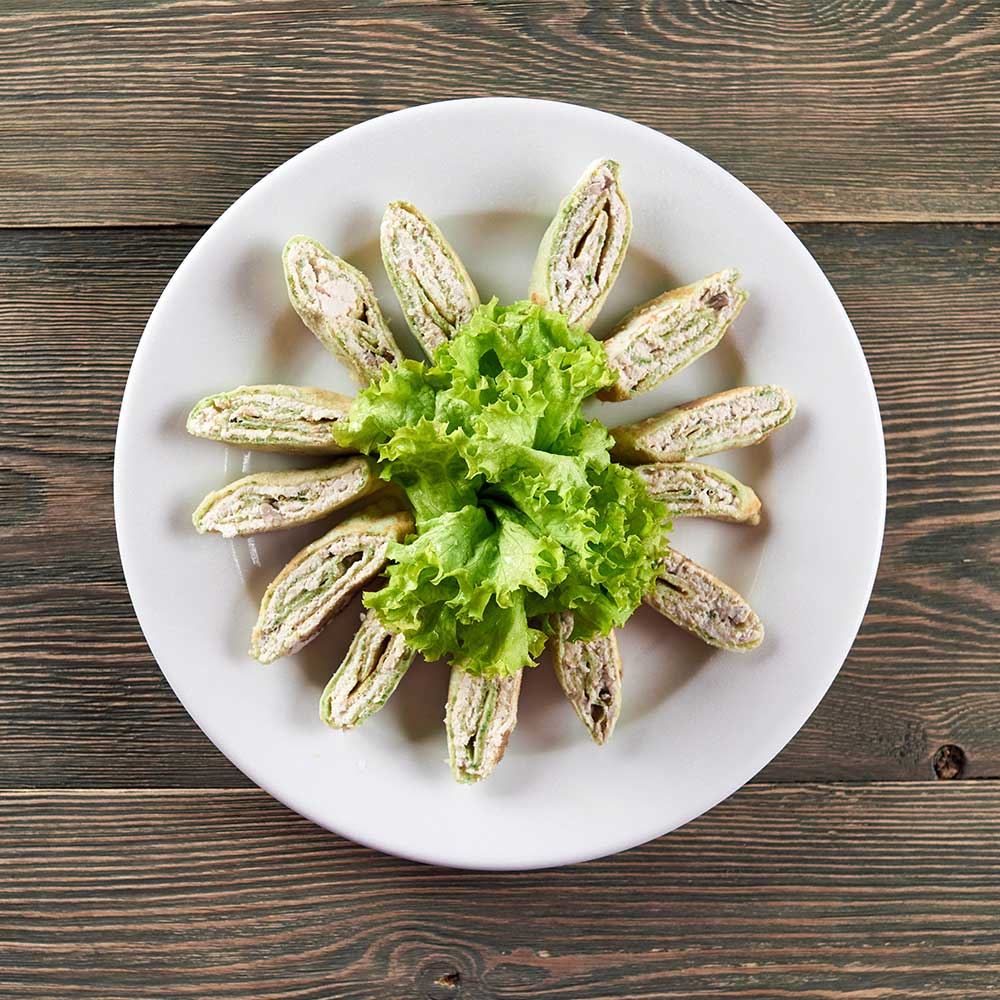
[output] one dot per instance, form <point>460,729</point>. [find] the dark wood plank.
<point>76,679</point>
<point>153,112</point>
<point>819,891</point>
<point>926,303</point>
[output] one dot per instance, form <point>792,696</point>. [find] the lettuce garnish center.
<point>520,512</point>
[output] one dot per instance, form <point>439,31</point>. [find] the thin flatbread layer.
<point>434,289</point>
<point>583,248</point>
<point>690,489</point>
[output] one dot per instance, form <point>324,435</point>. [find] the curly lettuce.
<point>520,512</point>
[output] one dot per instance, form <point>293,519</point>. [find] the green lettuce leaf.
<point>520,513</point>
<point>427,462</point>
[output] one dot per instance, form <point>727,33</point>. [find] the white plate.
<point>697,723</point>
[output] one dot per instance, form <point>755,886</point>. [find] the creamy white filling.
<point>326,288</point>
<point>659,353</point>
<point>204,421</point>
<point>264,407</point>
<point>310,574</point>
<point>686,488</point>
<point>590,675</point>
<point>227,419</point>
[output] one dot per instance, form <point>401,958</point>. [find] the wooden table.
<point>135,862</point>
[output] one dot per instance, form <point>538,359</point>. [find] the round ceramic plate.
<point>697,723</point>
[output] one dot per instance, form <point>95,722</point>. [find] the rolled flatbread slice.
<point>692,598</point>
<point>286,418</point>
<point>583,248</point>
<point>323,577</point>
<point>481,715</point>
<point>337,303</point>
<point>690,489</point>
<point>365,681</point>
<point>590,674</point>
<point>270,501</point>
<point>434,289</point>
<point>658,339</point>
<point>732,419</point>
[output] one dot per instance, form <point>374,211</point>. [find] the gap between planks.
<point>758,787</point>
<point>789,218</point>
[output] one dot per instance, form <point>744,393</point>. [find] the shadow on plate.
<point>418,704</point>
<point>289,339</point>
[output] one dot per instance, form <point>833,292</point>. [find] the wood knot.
<point>949,762</point>
<point>440,980</point>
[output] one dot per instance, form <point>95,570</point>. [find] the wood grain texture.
<point>84,705</point>
<point>819,892</point>
<point>164,112</point>
<point>847,871</point>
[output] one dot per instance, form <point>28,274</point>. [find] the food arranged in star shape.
<point>501,519</point>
